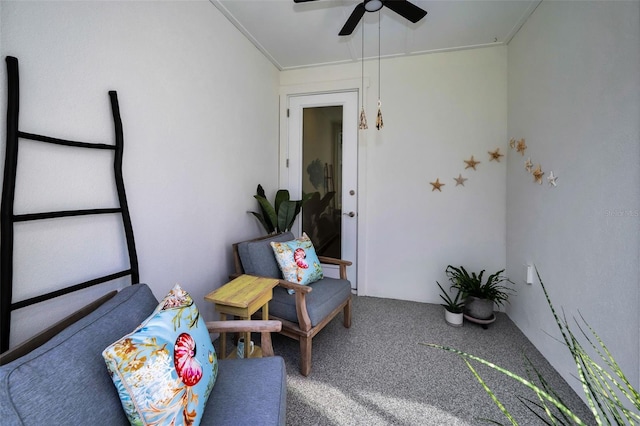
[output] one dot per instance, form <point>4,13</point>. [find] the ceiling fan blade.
<point>353,20</point>
<point>302,1</point>
<point>405,9</point>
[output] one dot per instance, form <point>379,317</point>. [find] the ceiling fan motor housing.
<point>403,8</point>
<point>372,5</point>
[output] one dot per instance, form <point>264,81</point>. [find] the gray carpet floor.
<point>377,373</point>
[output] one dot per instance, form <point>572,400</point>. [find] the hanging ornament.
<point>379,123</point>
<point>363,120</point>
<point>363,116</point>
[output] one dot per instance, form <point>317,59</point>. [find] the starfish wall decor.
<point>537,174</point>
<point>528,165</point>
<point>460,180</point>
<point>436,185</point>
<point>471,163</point>
<point>495,155</point>
<point>520,146</point>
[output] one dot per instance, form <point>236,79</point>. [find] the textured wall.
<point>199,105</point>
<point>439,110</point>
<point>574,94</point>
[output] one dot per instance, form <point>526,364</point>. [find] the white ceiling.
<point>306,34</point>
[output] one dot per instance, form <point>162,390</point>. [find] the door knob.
<point>350,214</point>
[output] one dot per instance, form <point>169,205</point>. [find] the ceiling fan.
<point>402,7</point>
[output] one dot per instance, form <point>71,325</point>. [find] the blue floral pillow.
<point>298,261</point>
<point>166,368</point>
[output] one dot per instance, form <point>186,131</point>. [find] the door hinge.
<point>287,112</point>
<point>287,163</point>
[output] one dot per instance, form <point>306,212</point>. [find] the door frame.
<point>318,88</point>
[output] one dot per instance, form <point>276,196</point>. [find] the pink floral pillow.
<point>166,368</point>
<point>298,260</point>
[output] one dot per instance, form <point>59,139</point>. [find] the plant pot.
<point>453,319</point>
<point>478,308</point>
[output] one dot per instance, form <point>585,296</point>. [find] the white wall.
<point>199,105</point>
<point>574,94</point>
<point>438,110</point>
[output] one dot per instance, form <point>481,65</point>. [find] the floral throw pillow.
<point>298,261</point>
<point>165,369</point>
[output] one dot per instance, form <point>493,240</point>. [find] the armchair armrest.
<point>333,261</point>
<point>242,326</point>
<point>263,327</point>
<point>293,286</point>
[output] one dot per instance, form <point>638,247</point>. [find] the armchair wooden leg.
<point>347,314</point>
<point>305,356</point>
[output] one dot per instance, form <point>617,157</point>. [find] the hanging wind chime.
<point>379,123</point>
<point>363,117</point>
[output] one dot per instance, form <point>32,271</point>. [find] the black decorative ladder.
<point>8,218</point>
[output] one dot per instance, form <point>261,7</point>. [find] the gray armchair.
<point>306,312</point>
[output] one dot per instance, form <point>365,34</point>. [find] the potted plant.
<point>480,297</point>
<point>453,307</point>
<point>280,216</point>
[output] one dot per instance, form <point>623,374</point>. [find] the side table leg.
<point>247,341</point>
<point>265,338</point>
<point>223,339</point>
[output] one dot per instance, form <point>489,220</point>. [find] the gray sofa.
<point>65,381</point>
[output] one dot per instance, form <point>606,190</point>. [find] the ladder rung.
<point>70,289</point>
<point>57,141</point>
<point>64,213</point>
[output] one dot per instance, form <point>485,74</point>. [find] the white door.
<point>323,160</point>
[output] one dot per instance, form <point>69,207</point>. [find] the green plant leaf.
<point>270,217</point>
<point>286,215</point>
<point>261,220</point>
<point>514,376</point>
<point>280,216</point>
<point>281,196</point>
<point>454,305</point>
<point>491,394</point>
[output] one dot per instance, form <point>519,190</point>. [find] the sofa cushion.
<point>65,381</point>
<point>298,261</point>
<point>249,391</point>
<point>164,370</point>
<point>257,256</point>
<point>327,294</point>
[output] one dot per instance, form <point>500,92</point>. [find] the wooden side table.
<point>242,297</point>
